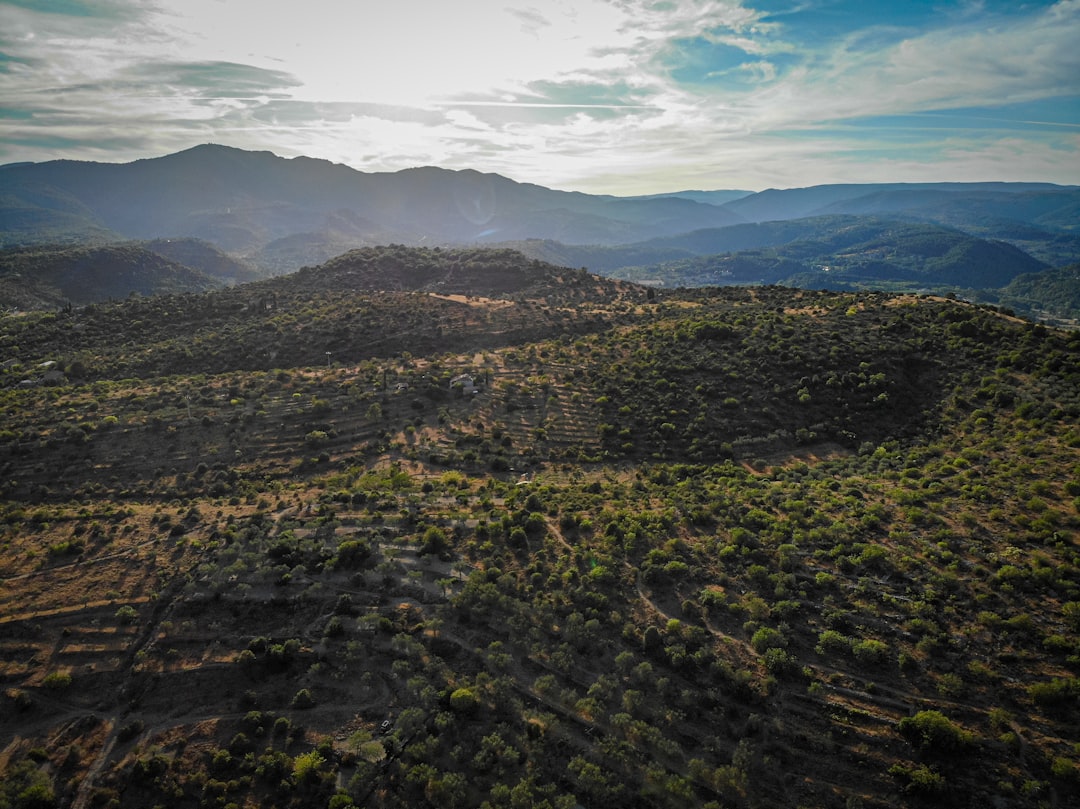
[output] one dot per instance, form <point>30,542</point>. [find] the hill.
<point>205,258</point>
<point>529,537</point>
<point>835,252</point>
<point>80,275</point>
<point>417,303</point>
<point>1053,295</point>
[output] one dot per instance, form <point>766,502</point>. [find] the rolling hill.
<point>455,527</point>
<point>836,252</point>
<point>81,275</point>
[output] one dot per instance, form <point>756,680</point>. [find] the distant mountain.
<point>878,198</point>
<point>819,252</point>
<point>236,215</point>
<point>244,201</point>
<point>871,247</point>
<point>45,277</point>
<point>708,197</point>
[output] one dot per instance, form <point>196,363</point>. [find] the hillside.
<point>81,275</point>
<point>1017,201</point>
<point>834,252</point>
<point>412,303</point>
<point>204,257</point>
<point>531,537</point>
<point>1053,295</point>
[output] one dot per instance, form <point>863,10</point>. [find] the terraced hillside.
<point>586,545</point>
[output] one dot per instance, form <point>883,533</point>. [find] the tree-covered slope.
<point>730,547</point>
<point>82,275</point>
<point>850,253</point>
<point>204,257</point>
<point>415,300</point>
<point>1053,295</point>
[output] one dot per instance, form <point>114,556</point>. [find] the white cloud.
<point>969,66</point>
<point>385,86</point>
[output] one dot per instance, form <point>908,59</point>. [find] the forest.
<point>456,527</point>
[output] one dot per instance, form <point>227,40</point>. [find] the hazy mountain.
<point>708,197</point>
<point>273,215</point>
<point>242,201</point>
<point>851,252</point>
<point>856,250</point>
<point>1018,199</point>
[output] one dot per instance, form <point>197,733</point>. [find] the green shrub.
<point>920,779</point>
<point>831,641</point>
<point>933,732</point>
<point>870,651</point>
<point>303,700</point>
<point>306,767</point>
<point>767,638</point>
<point>1057,692</point>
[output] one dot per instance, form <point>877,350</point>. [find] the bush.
<point>767,638</point>
<point>352,554</point>
<point>920,779</point>
<point>1057,692</point>
<point>779,663</point>
<point>832,641</point>
<point>870,651</point>
<point>933,732</point>
<point>306,767</point>
<point>303,700</point>
<point>434,541</point>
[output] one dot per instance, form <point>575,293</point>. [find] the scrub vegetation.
<point>457,528</point>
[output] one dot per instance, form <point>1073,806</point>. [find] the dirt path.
<point>86,786</point>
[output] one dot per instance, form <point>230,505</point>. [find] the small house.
<point>465,383</point>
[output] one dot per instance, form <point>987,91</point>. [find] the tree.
<point>463,700</point>
<point>306,767</point>
<point>303,700</point>
<point>434,541</point>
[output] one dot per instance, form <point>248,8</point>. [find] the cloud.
<point>532,21</point>
<point>635,95</point>
<point>204,80</point>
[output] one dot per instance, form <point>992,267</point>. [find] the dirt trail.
<point>86,786</point>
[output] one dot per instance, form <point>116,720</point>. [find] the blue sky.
<point>603,96</point>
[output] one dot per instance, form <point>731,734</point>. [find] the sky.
<point>602,96</point>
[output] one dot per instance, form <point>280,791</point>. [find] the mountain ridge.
<point>280,214</point>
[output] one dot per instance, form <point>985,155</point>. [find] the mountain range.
<point>243,215</point>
